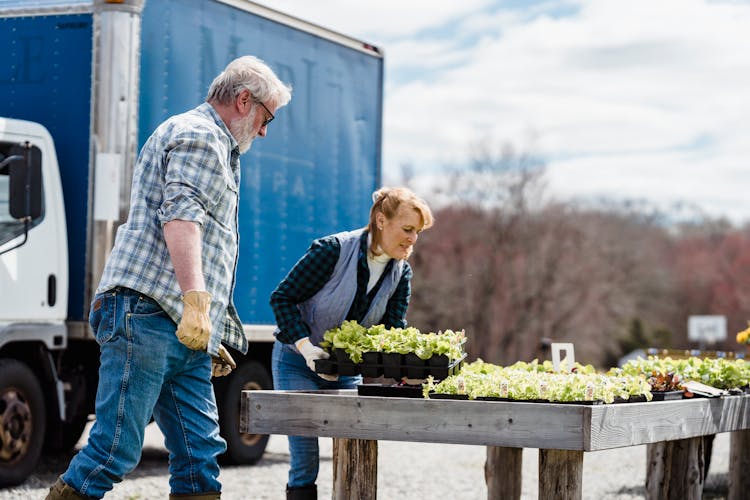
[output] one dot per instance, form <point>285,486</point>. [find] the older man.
<point>164,304</point>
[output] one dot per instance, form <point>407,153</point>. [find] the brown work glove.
<point>223,364</point>
<point>194,329</point>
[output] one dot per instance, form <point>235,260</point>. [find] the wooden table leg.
<point>739,464</point>
<point>560,474</point>
<point>675,469</point>
<point>503,472</point>
<point>355,469</point>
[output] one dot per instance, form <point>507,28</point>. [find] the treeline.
<point>516,271</point>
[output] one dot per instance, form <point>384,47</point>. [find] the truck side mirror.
<point>25,197</point>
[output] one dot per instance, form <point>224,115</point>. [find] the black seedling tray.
<point>592,402</point>
<point>449,396</point>
<point>390,391</point>
<point>632,399</point>
<point>667,395</point>
<point>389,365</point>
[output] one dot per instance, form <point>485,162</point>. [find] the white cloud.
<point>706,184</point>
<point>628,99</point>
<point>377,21</point>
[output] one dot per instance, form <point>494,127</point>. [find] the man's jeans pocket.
<point>102,316</point>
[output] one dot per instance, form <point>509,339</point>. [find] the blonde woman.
<point>360,275</point>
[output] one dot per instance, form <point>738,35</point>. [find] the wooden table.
<point>562,432</point>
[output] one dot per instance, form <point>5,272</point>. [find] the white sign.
<point>707,328</point>
<point>567,361</point>
<point>107,186</point>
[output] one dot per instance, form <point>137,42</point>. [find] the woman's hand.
<point>312,352</point>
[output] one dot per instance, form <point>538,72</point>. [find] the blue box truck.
<point>82,85</point>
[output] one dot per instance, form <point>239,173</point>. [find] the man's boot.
<point>61,491</point>
<point>214,495</point>
<point>309,492</point>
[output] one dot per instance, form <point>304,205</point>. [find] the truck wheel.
<point>242,448</point>
<point>22,422</point>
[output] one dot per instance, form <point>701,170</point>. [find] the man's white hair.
<point>251,73</point>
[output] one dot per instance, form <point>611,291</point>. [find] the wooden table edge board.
<point>561,432</point>
<point>344,414</point>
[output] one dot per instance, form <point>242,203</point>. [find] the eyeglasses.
<point>267,120</point>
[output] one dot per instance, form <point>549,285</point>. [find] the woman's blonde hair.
<point>387,201</point>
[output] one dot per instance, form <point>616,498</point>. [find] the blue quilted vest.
<point>328,308</point>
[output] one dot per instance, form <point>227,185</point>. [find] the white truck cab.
<point>33,271</point>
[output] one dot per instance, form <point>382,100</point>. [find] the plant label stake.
<point>569,358</point>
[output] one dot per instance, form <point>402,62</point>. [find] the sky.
<point>626,100</point>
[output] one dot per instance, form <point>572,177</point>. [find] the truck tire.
<point>242,449</point>
<point>22,422</point>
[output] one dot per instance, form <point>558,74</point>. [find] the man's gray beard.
<point>245,146</point>
<point>241,129</point>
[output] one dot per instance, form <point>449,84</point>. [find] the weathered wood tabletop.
<point>562,432</point>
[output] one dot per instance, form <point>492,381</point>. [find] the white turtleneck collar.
<point>376,264</point>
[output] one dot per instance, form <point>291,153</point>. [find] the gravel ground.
<point>405,471</point>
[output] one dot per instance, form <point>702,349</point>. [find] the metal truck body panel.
<point>46,78</point>
<point>312,176</point>
<point>315,171</point>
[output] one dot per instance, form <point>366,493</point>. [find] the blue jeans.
<point>290,372</point>
<point>146,371</point>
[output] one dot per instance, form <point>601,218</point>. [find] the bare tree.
<point>512,269</point>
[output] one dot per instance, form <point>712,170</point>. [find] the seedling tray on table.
<point>390,391</point>
<point>390,365</point>
<point>490,398</point>
<point>667,395</point>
